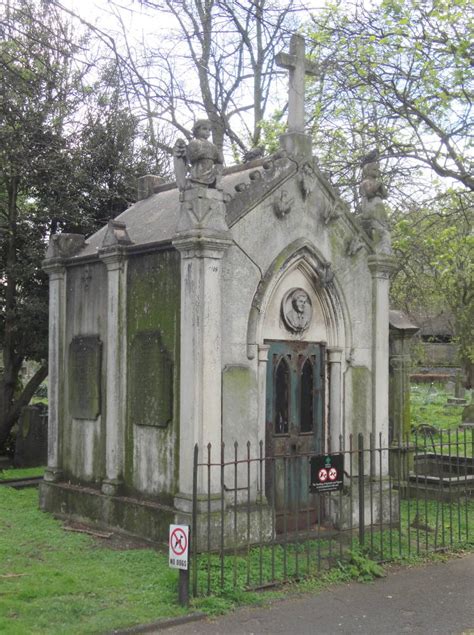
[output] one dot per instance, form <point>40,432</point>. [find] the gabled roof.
<point>153,220</point>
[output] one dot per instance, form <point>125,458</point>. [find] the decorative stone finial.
<point>65,245</point>
<point>200,162</point>
<point>116,234</point>
<point>146,185</point>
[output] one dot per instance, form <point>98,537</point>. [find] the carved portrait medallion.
<point>297,310</point>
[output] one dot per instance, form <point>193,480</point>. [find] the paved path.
<point>429,599</point>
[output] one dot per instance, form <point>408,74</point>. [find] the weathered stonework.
<point>188,302</point>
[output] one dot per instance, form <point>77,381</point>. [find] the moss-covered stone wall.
<point>83,429</point>
<point>153,327</point>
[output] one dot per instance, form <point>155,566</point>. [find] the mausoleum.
<point>241,304</point>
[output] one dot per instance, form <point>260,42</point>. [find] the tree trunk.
<point>10,412</point>
<point>10,405</point>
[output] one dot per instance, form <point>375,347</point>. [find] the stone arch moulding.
<point>304,255</point>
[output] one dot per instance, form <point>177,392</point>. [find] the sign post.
<point>178,559</point>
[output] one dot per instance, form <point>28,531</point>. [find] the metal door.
<point>294,429</point>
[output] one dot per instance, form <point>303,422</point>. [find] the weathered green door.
<point>294,429</point>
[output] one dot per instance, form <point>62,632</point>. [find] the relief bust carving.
<point>297,310</point>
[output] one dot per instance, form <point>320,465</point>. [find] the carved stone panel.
<point>85,358</point>
<point>150,381</point>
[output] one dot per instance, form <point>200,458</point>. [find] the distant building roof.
<point>401,322</point>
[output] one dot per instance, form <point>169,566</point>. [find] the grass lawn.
<point>53,581</point>
<point>428,405</point>
<point>21,473</point>
<point>59,582</point>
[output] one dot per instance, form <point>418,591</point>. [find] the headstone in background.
<point>31,445</point>
<point>467,417</point>
<point>450,386</point>
<point>459,389</point>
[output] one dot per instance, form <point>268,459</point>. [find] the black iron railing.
<point>261,519</point>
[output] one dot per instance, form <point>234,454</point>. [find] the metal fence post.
<point>360,450</point>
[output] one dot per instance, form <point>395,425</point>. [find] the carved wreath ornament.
<point>297,310</point>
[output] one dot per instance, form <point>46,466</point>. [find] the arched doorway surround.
<point>299,371</point>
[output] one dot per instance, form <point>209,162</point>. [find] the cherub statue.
<point>200,162</point>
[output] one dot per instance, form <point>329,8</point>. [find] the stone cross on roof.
<point>298,66</point>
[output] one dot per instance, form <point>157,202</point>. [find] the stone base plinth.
<point>381,505</point>
<point>150,520</point>
<point>241,526</point>
<point>144,519</point>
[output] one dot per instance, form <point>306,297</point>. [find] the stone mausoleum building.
<point>239,304</point>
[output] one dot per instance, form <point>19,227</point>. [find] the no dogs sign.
<point>179,546</point>
<point>327,473</point>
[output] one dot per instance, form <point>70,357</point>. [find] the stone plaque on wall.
<point>85,355</point>
<point>150,381</point>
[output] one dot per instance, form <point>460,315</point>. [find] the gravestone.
<point>31,444</point>
<point>459,389</point>
<point>450,386</point>
<point>467,417</point>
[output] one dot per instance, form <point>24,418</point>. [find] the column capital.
<point>263,352</point>
<point>399,361</point>
<point>54,267</point>
<point>335,354</point>
<point>113,257</point>
<point>381,265</point>
<point>196,244</point>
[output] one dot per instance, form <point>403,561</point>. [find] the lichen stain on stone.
<point>153,306</point>
<point>361,381</point>
<point>239,386</point>
<point>337,246</point>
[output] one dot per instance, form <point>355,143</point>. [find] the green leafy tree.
<point>435,250</point>
<point>69,156</point>
<point>36,88</point>
<point>397,75</point>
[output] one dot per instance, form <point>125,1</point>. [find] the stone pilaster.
<point>114,260</point>
<point>61,247</point>
<point>335,398</point>
<point>202,240</point>
<point>56,270</point>
<point>262,388</point>
<point>401,334</point>
<point>381,266</point>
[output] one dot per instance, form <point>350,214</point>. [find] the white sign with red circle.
<point>179,545</point>
<point>322,475</point>
<point>332,474</point>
